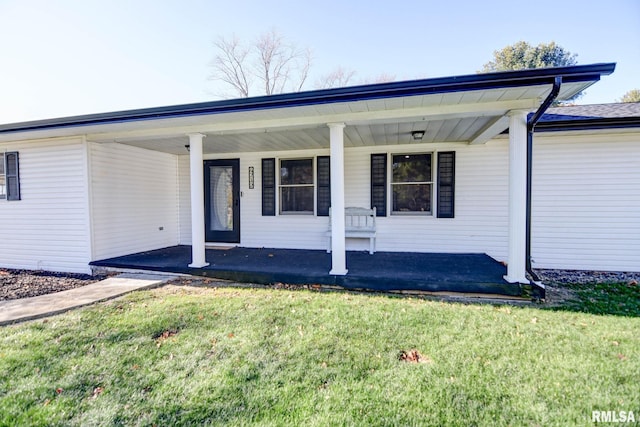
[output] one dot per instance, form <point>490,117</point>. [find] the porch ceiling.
<point>462,117</point>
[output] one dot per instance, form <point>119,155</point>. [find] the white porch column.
<point>517,197</point>
<point>338,251</point>
<point>197,201</point>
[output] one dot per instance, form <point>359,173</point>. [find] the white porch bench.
<point>358,223</point>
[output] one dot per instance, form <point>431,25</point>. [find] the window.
<point>296,186</point>
<point>411,183</point>
<point>9,177</point>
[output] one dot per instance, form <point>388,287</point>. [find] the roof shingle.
<point>593,111</point>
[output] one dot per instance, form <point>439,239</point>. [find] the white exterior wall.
<point>586,202</point>
<point>87,201</point>
<point>134,199</point>
<point>184,201</point>
<point>49,229</point>
<point>481,202</point>
<point>481,187</point>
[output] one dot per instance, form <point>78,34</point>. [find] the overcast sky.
<point>70,57</point>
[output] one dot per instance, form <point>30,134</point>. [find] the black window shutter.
<point>268,187</point>
<point>323,171</point>
<point>446,184</point>
<point>12,175</point>
<point>379,183</point>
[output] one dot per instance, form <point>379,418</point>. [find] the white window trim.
<point>433,212</point>
<point>280,186</point>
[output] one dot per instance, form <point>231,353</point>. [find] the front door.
<point>222,200</point>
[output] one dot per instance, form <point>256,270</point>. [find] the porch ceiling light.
<point>417,135</point>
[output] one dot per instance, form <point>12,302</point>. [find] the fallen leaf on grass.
<point>621,356</point>
<point>230,335</point>
<point>615,343</point>
<point>534,320</point>
<point>164,335</point>
<point>59,390</point>
<point>96,392</point>
<point>413,356</point>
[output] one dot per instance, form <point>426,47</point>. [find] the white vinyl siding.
<point>468,232</point>
<point>134,199</point>
<point>586,203</point>
<point>88,201</point>
<point>184,200</point>
<point>48,229</point>
<point>281,231</point>
<point>586,198</point>
<point>480,223</point>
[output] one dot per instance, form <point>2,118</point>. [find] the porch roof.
<point>465,109</point>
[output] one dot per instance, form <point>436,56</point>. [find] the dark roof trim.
<point>588,124</point>
<point>499,80</point>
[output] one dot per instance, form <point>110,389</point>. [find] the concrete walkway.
<point>19,310</point>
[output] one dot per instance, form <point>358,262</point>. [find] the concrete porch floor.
<point>382,271</point>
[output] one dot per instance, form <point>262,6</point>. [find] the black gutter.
<point>498,80</point>
<point>588,124</point>
<point>531,123</point>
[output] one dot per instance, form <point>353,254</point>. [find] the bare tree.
<point>381,78</point>
<point>339,77</point>
<point>278,65</point>
<point>280,62</point>
<point>230,64</point>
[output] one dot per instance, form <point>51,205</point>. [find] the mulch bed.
<point>16,284</point>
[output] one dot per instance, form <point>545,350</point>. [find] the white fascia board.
<point>215,124</point>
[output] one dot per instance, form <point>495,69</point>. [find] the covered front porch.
<point>441,128</point>
<point>429,155</point>
<point>383,271</point>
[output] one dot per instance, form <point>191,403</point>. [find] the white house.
<point>443,160</point>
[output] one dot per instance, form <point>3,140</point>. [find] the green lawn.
<point>184,356</point>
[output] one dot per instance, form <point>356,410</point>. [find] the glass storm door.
<point>222,200</point>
